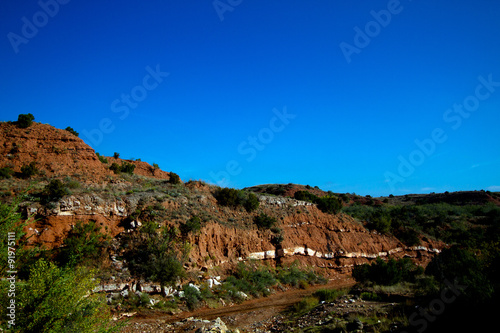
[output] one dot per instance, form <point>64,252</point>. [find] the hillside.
<point>196,225</point>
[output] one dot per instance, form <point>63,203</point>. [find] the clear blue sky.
<point>326,93</point>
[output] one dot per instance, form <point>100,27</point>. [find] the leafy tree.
<point>153,256</point>
<point>12,235</point>
<point>25,120</point>
<point>57,299</point>
<point>72,131</point>
<point>116,155</point>
<point>84,244</point>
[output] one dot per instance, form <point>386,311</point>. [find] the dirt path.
<point>247,314</point>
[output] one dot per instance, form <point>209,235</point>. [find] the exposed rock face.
<point>56,152</point>
<point>228,235</point>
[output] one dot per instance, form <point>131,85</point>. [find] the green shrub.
<point>54,191</point>
<point>127,168</point>
<point>251,202</point>
<point>116,155</point>
<point>329,204</point>
<point>192,296</point>
<point>264,221</point>
<point>6,172</point>
<point>102,158</point>
<point>25,120</point>
<point>250,280</point>
<point>72,131</point>
<point>305,196</point>
<point>29,170</point>
<point>174,178</point>
<point>192,225</point>
<point>115,167</point>
<point>228,197</point>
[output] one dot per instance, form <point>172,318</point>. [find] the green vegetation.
<point>116,155</point>
<point>449,223</point>
<point>102,158</point>
<point>25,120</point>
<point>388,272</point>
<point>174,178</point>
<point>85,244</point>
<point>233,198</point>
<point>29,170</point>
<point>56,299</point>
<point>327,204</point>
<point>264,221</point>
<point>155,255</point>
<point>125,167</point>
<point>330,295</point>
<point>72,131</point>
<point>193,225</point>
<point>48,298</point>
<point>54,191</point>
<point>6,173</point>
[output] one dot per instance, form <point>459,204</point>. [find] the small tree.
<point>174,178</point>
<point>54,191</point>
<point>116,155</point>
<point>84,243</point>
<point>251,203</point>
<point>25,120</point>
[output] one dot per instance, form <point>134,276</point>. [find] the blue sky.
<point>371,97</point>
